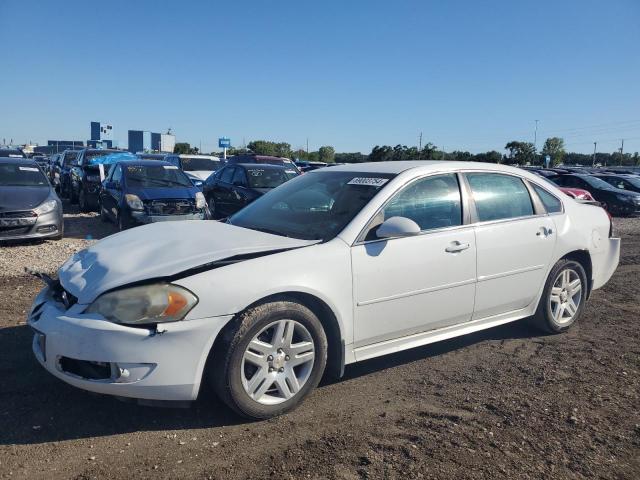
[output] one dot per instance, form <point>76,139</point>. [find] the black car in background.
<point>29,206</point>
<point>60,173</point>
<point>622,181</point>
<point>136,192</point>
<point>84,177</point>
<point>291,168</point>
<point>237,185</point>
<point>615,200</point>
<point>11,153</point>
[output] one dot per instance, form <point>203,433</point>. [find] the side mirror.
<point>398,227</point>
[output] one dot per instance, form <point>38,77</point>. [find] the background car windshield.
<point>195,164</point>
<point>316,206</point>
<point>15,175</point>
<point>266,177</point>
<point>156,176</point>
<point>596,182</point>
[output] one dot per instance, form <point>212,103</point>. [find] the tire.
<point>283,370</point>
<point>211,203</point>
<point>103,216</point>
<point>122,223</point>
<point>561,305</point>
<point>82,201</point>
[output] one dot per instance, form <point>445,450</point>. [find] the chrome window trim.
<point>360,239</point>
<point>469,212</point>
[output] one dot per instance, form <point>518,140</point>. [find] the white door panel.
<point>513,259</point>
<point>407,285</point>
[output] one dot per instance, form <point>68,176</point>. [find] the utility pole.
<point>307,148</point>
<point>535,137</point>
<point>420,146</point>
<point>593,162</point>
<point>621,151</point>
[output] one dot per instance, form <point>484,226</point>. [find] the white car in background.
<point>337,266</point>
<point>199,167</point>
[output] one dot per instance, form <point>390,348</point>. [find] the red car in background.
<point>578,193</point>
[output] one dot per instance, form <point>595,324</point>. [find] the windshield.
<point>266,177</point>
<point>196,164</point>
<point>155,176</point>
<point>596,182</point>
<point>16,175</point>
<point>5,152</point>
<point>315,206</point>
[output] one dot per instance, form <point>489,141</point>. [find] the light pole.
<point>593,162</point>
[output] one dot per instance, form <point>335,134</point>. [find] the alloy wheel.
<point>566,295</point>
<point>277,362</point>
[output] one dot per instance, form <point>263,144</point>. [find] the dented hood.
<point>161,250</point>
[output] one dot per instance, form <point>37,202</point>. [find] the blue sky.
<point>471,75</point>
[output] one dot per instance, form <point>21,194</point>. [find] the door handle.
<point>544,232</point>
<point>456,247</point>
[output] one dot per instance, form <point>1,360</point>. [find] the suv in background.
<point>84,177</point>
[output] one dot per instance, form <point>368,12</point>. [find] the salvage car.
<point>615,200</point>
<point>236,186</point>
<point>29,206</point>
<point>136,192</point>
<point>336,266</point>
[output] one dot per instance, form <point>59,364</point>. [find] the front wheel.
<point>270,359</point>
<point>563,298</point>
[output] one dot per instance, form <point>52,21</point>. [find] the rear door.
<point>238,194</point>
<point>222,191</point>
<point>515,242</point>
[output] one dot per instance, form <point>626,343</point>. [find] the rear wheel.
<point>270,360</point>
<point>103,213</point>
<point>563,298</point>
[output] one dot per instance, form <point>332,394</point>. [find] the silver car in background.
<point>29,206</point>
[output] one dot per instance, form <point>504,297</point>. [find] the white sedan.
<point>337,266</point>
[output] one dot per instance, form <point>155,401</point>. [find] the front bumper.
<point>43,226</point>
<point>143,217</point>
<point>100,356</point>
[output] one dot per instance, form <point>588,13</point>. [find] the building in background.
<point>56,146</point>
<point>101,135</point>
<point>143,141</point>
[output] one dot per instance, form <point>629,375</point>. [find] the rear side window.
<point>550,202</point>
<point>499,196</point>
<point>431,202</point>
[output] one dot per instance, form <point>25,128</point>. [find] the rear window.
<point>266,177</point>
<point>143,176</point>
<point>499,196</point>
<point>550,202</point>
<point>199,164</point>
<point>17,175</point>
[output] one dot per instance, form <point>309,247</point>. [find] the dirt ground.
<point>503,403</point>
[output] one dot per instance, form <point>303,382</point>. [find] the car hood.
<point>161,250</point>
<point>199,174</point>
<point>22,198</point>
<point>163,192</point>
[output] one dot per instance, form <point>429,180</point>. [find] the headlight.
<point>145,304</point>
<point>197,183</point>
<point>134,202</point>
<point>200,201</point>
<point>46,207</point>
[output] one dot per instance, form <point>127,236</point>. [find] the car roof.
<point>423,165</point>
<point>145,163</point>
<point>21,160</point>
<point>261,166</point>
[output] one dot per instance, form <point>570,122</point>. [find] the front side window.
<point>227,175</point>
<point>431,202</point>
<point>239,178</point>
<point>117,174</point>
<point>550,202</point>
<point>498,196</point>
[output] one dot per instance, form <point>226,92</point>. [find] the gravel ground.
<point>80,231</point>
<point>504,403</point>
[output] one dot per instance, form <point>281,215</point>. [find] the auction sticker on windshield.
<point>170,167</point>
<point>372,182</point>
<point>28,169</point>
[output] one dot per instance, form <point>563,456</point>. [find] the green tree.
<point>521,153</point>
<point>327,154</point>
<point>554,147</point>
<point>264,147</point>
<point>182,147</point>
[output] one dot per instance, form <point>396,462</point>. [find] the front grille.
<point>170,207</point>
<point>13,231</point>
<point>19,214</point>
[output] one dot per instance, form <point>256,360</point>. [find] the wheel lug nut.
<point>270,358</point>
<point>281,370</point>
<point>271,369</point>
<point>286,358</point>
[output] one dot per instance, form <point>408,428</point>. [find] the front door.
<point>424,282</point>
